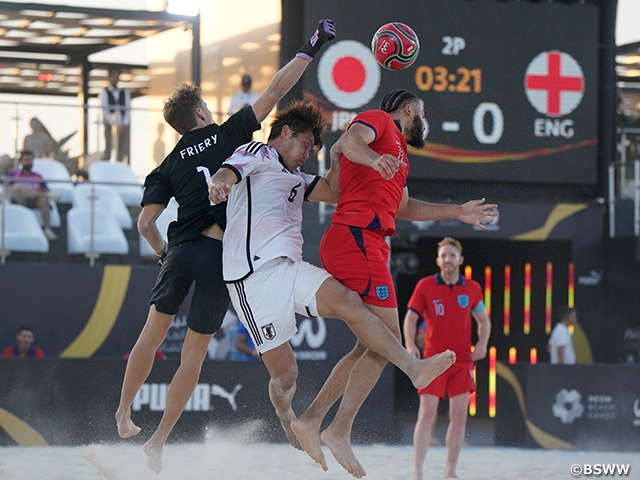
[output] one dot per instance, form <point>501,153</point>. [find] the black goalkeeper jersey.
<point>184,174</point>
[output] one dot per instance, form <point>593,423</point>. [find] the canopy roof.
<point>44,48</point>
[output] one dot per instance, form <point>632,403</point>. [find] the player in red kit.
<point>447,301</point>
<point>373,193</point>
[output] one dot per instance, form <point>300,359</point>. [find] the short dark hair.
<point>114,69</point>
<point>179,109</point>
<point>301,116</point>
<point>564,311</point>
<point>24,328</point>
<point>396,99</point>
<point>26,152</point>
<point>246,80</point>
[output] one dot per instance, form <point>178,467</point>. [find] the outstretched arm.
<point>289,75</point>
<point>474,212</point>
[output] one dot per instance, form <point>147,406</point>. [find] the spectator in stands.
<point>30,190</point>
<point>24,347</point>
<point>116,111</point>
<point>561,341</point>
<point>243,347</point>
<point>245,97</point>
<point>40,141</point>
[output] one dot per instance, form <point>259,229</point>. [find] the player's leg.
<point>172,286</point>
<point>139,366</point>
<point>264,302</point>
<point>202,259</point>
<point>427,414</point>
<point>194,350</point>
<point>458,406</point>
<point>283,369</point>
<point>382,340</point>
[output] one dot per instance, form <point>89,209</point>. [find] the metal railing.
<point>621,184</point>
<point>7,182</point>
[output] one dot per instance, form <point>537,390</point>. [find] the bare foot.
<point>341,449</point>
<point>286,420</point>
<point>431,367</point>
<point>153,450</point>
<point>309,439</point>
<point>126,427</point>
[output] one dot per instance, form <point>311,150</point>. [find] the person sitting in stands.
<point>24,347</point>
<point>33,193</point>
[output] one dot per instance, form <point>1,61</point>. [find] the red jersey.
<point>366,199</point>
<point>13,352</point>
<point>447,312</point>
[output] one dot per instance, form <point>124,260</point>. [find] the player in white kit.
<point>262,256</point>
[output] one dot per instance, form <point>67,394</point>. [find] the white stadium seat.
<point>104,198</point>
<point>114,173</point>
<point>54,218</point>
<point>166,217</point>
<point>57,177</point>
<point>23,232</point>
<point>108,236</point>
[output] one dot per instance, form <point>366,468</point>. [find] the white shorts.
<point>267,300</point>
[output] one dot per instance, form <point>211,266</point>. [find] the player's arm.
<point>241,346</point>
<point>220,184</point>
<point>409,328</point>
<point>484,331</point>
<point>474,212</point>
<point>354,144</point>
<point>148,228</point>
<point>328,189</point>
<point>289,75</point>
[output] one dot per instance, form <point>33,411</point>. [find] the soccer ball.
<point>395,46</point>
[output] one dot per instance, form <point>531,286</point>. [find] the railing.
<point>624,178</point>
<point>92,253</point>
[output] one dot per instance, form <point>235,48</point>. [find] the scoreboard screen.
<point>510,88</point>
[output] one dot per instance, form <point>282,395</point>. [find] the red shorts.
<point>358,257</point>
<point>455,380</point>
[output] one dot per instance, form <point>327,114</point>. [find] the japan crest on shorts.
<point>268,331</point>
<point>382,292</point>
<point>463,301</point>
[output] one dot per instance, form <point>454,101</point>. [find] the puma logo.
<point>218,391</point>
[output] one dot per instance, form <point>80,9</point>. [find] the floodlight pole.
<point>196,55</point>
<point>83,94</point>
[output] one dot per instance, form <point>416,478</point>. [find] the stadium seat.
<point>54,219</point>
<point>108,236</point>
<point>119,173</point>
<point>57,177</point>
<point>105,198</point>
<point>166,217</point>
<point>23,232</point>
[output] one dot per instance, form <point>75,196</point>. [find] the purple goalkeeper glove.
<point>325,32</point>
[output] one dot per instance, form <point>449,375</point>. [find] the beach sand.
<point>231,455</point>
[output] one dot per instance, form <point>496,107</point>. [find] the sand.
<point>223,456</point>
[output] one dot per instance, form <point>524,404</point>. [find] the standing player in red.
<point>447,301</point>
<point>373,193</point>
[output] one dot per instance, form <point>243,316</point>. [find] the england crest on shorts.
<point>382,292</point>
<point>463,301</point>
<point>269,332</point>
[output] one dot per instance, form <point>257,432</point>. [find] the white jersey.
<point>264,210</point>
